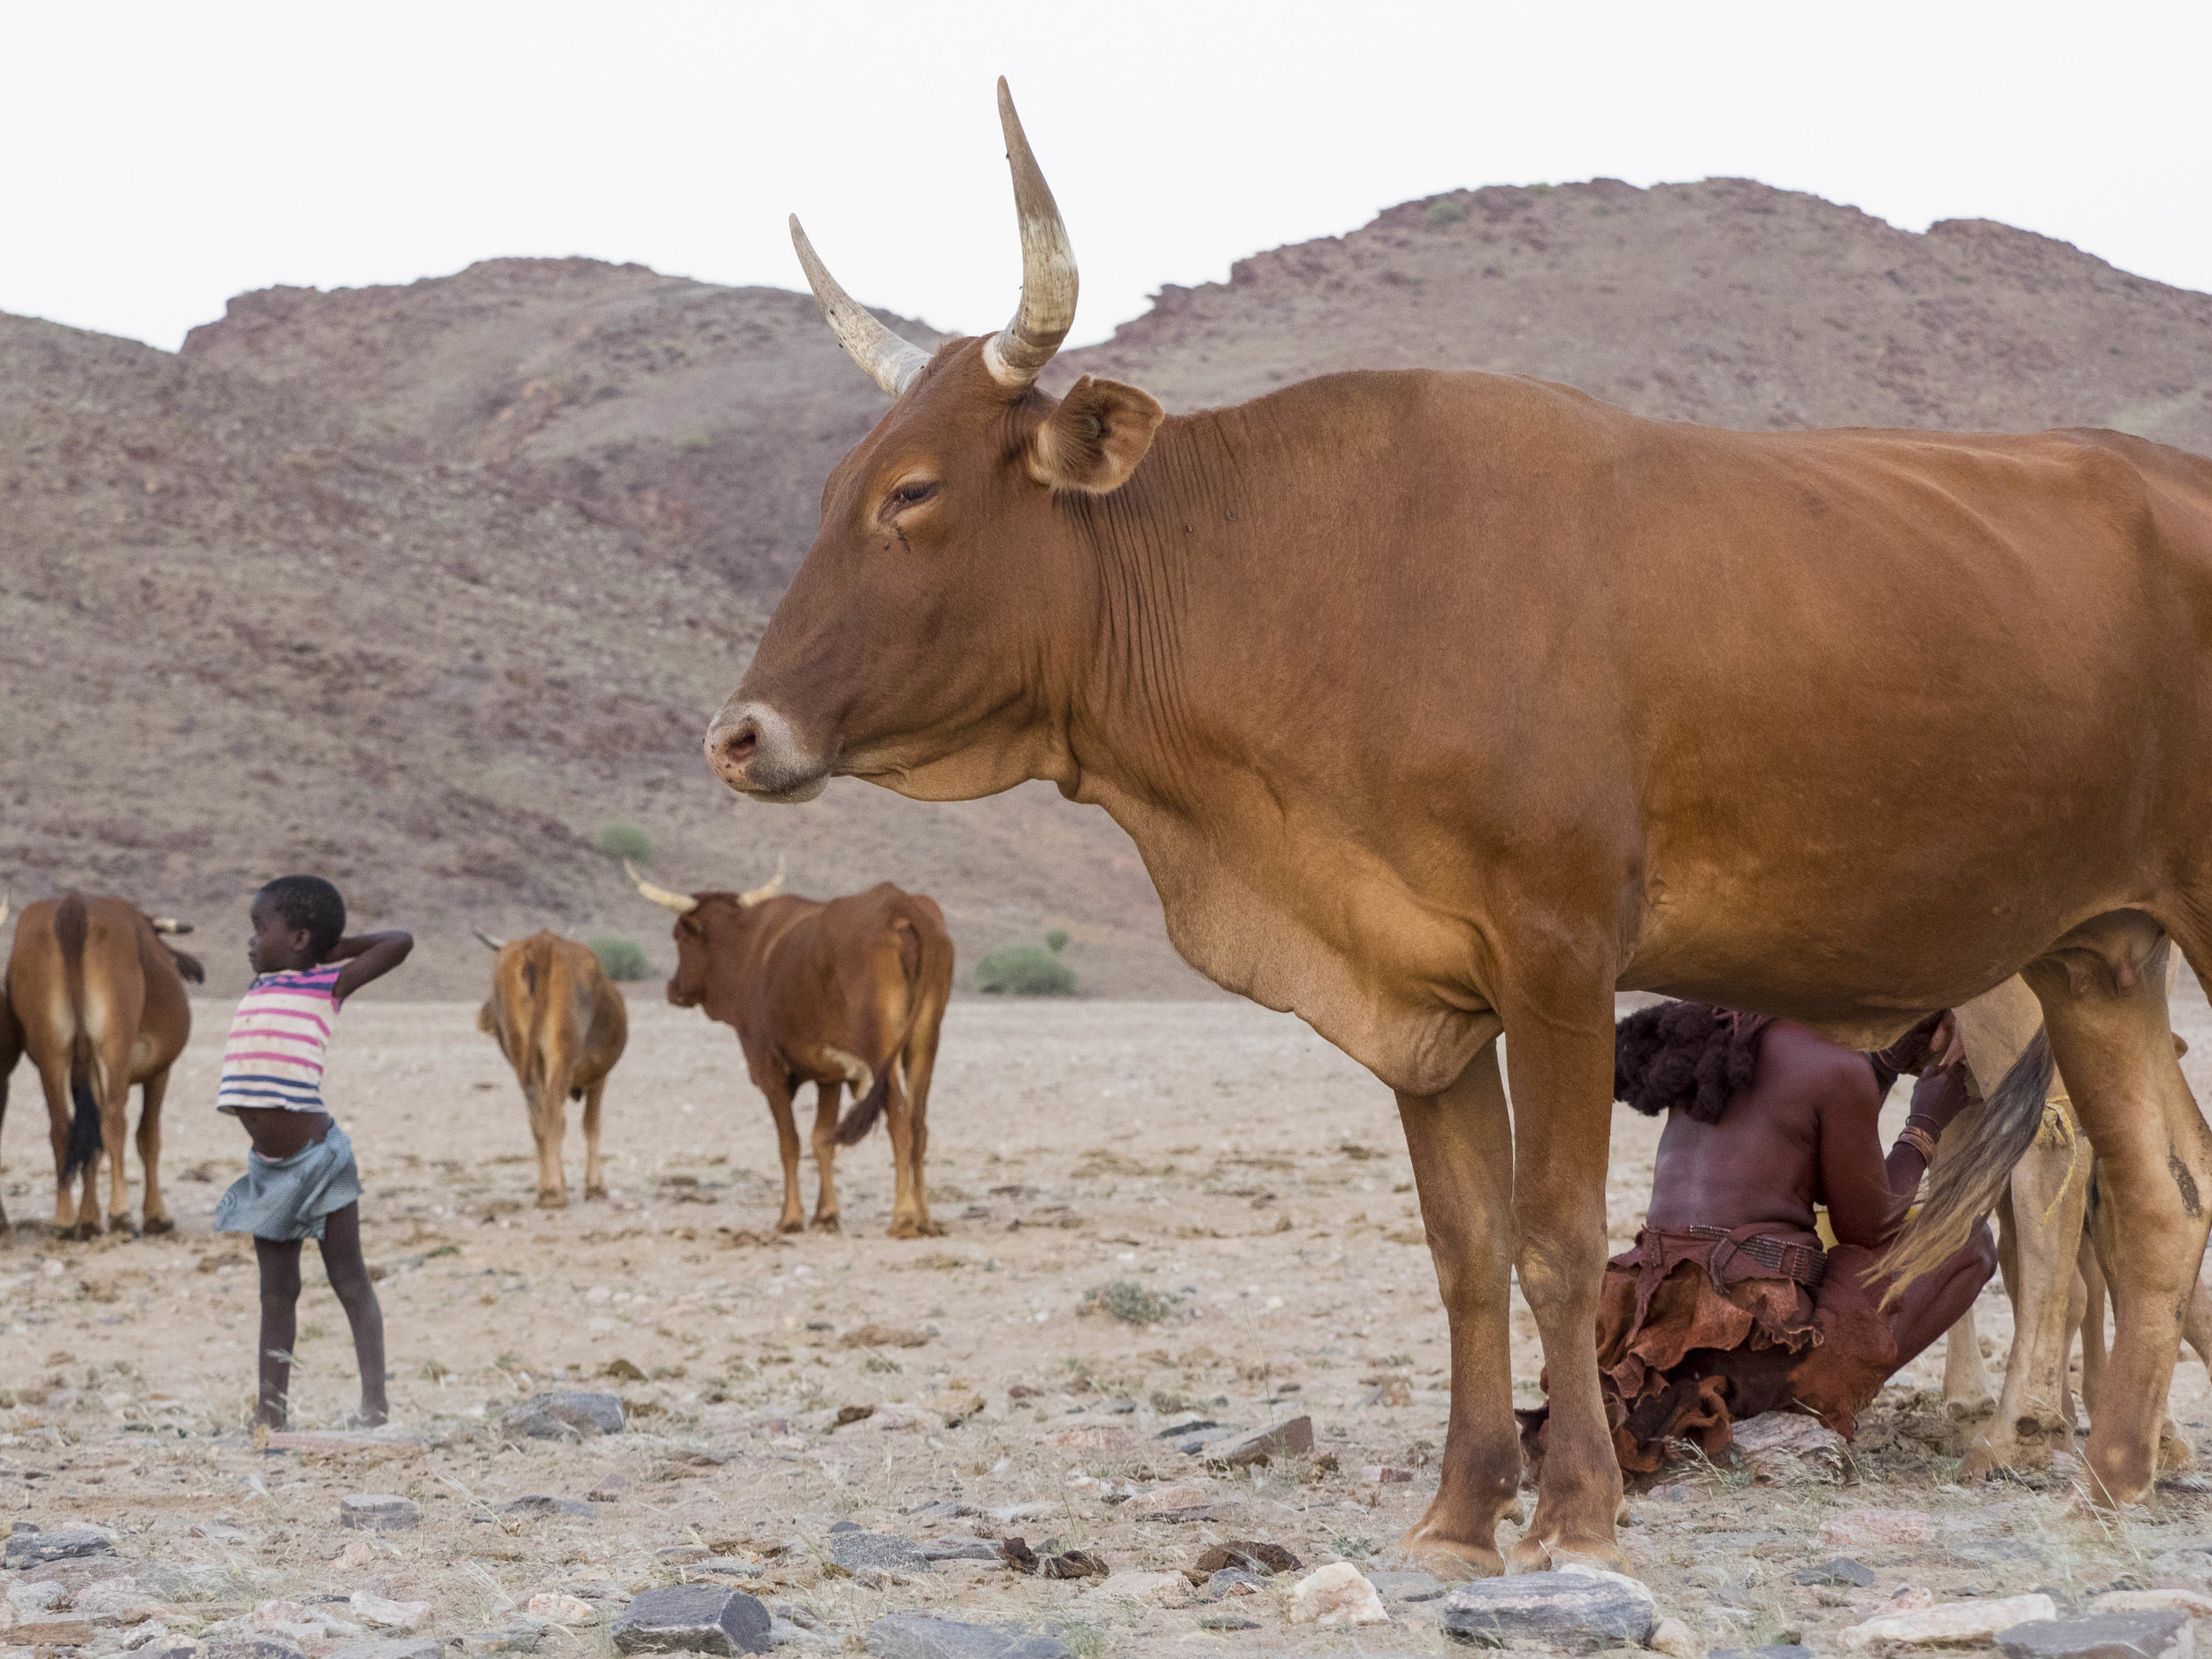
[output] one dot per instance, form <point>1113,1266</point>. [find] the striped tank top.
<point>275,1057</point>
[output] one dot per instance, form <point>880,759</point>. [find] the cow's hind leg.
<point>54,1080</point>
<point>112,1082</point>
<point>2044,1200</point>
<point>1966,1392</point>
<point>594,1172</point>
<point>548,1121</point>
<point>2175,1453</point>
<point>779,1093</point>
<point>908,1220</point>
<point>1462,1146</point>
<point>2103,993</point>
<point>826,1208</point>
<point>155,1209</point>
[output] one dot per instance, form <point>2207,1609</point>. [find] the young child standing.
<point>300,1181</point>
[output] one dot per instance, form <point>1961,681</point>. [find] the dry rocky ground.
<point>1222,1164</point>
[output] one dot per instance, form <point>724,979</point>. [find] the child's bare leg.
<point>280,1262</point>
<point>349,1279</point>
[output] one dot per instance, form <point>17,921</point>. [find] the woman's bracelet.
<point>1919,1140</point>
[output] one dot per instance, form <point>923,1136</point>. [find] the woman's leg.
<point>349,1279</point>
<point>280,1262</point>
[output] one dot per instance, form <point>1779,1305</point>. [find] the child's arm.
<point>367,957</point>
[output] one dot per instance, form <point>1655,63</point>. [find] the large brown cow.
<point>562,1026</point>
<point>848,992</point>
<point>1444,706</point>
<point>97,1001</point>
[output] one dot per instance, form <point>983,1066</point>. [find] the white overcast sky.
<point>160,158</point>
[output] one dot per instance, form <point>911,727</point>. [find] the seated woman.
<point>1728,1306</point>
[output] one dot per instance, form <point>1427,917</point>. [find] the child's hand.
<point>367,957</point>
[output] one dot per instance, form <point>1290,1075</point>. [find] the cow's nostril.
<point>738,748</point>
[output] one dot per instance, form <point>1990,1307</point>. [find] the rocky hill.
<point>419,586</point>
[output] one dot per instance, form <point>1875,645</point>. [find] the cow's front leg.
<point>779,1093</point>
<point>825,1208</point>
<point>1560,1052</point>
<point>1462,1144</point>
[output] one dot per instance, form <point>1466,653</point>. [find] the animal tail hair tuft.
<point>1966,1184</point>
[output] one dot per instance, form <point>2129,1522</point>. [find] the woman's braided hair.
<point>1690,1057</point>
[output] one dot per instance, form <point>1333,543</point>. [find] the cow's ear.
<point>1094,440</point>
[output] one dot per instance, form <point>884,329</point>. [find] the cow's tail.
<point>536,970</point>
<point>853,1127</point>
<point>1966,1183</point>
<point>71,927</point>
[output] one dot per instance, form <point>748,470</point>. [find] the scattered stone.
<point>1780,1446</point>
<point>503,1639</point>
<point>2195,1603</point>
<point>1291,1438</point>
<point>692,1618</point>
<point>40,1597</point>
<point>1407,1586</point>
<point>958,1546</point>
<point>378,1512</point>
<point>64,1543</point>
<point>1177,1430</point>
<point>1383,1475</point>
<point>1676,1640</point>
<point>541,1503</point>
<point>107,1598</point>
<point>248,1645</point>
<point>852,1414</point>
<point>166,1582</point>
<point>2186,1565</point>
<point>1952,1622</point>
<point>886,1336</point>
<point>1227,1621</point>
<point>919,1636</point>
<point>958,1411</point>
<point>681,1554</point>
<point>565,1414</point>
<point>2146,1635</point>
<point>1338,1594</point>
<point>1047,1564</point>
<point>1842,1572</point>
<point>558,1607</point>
<point>372,1608</point>
<point>1231,1581</point>
<point>56,1632</point>
<point>1581,1607</point>
<point>1248,1552</point>
<point>389,1647</point>
<point>855,1550</point>
<point>1855,1529</point>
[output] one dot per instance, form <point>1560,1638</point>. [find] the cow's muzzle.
<point>752,749</point>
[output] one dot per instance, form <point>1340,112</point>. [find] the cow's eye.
<point>910,495</point>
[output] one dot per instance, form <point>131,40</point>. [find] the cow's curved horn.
<point>1020,351</point>
<point>682,904</point>
<point>494,944</point>
<point>169,924</point>
<point>767,889</point>
<point>891,361</point>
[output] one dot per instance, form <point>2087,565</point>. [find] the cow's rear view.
<point>849,993</point>
<point>562,1026</point>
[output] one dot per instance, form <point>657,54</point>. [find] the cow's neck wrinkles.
<point>1195,572</point>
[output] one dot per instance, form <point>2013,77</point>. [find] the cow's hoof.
<point>1449,1561</point>
<point>1537,1555</point>
<point>827,1224</point>
<point>157,1225</point>
<point>905,1229</point>
<point>791,1224</point>
<point>552,1198</point>
<point>591,1193</point>
<point>123,1223</point>
<point>84,1232</point>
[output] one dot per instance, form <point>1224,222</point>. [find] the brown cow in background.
<point>850,991</point>
<point>97,1001</point>
<point>562,1026</point>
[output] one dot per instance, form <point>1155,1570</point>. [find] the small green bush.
<point>1128,1302</point>
<point>623,840</point>
<point>619,958</point>
<point>1057,940</point>
<point>1444,211</point>
<point>1024,971</point>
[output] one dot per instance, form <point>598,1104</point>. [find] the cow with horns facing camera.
<point>847,992</point>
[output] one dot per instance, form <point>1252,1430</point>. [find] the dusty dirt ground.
<point>1221,1156</point>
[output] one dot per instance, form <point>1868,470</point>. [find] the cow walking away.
<point>1442,707</point>
<point>845,993</point>
<point>562,1026</point>
<point>96,998</point>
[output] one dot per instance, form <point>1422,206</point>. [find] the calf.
<point>562,1026</point>
<point>848,992</point>
<point>97,1001</point>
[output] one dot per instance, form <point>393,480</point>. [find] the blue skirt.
<point>289,1199</point>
